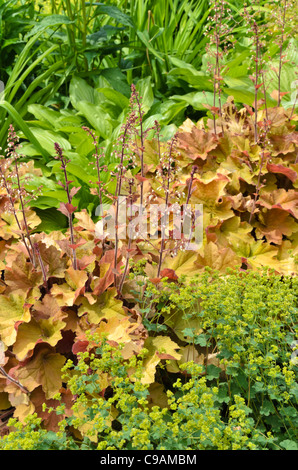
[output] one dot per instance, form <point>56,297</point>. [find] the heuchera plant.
<point>55,287</point>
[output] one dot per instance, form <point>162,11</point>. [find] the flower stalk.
<point>67,209</point>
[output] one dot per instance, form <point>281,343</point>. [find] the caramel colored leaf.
<point>122,331</point>
<point>160,347</point>
<point>44,368</point>
<point>67,293</point>
<point>217,257</point>
<point>47,308</point>
<point>64,294</point>
<point>107,306</point>
<point>9,227</point>
<point>21,276</point>
<point>275,223</point>
<point>176,321</point>
<point>198,143</point>
<point>29,334</point>
<point>188,354</point>
<point>4,401</point>
<point>281,199</point>
<point>53,260</point>
<point>209,193</point>
<point>85,221</point>
<point>184,263</point>
<point>76,279</point>
<point>291,174</point>
<point>12,310</point>
<point>51,419</point>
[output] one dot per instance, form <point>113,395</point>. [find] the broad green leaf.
<point>116,79</point>
<point>115,96</point>
<point>245,96</point>
<point>79,91</point>
<point>98,118</point>
<point>196,79</point>
<point>78,171</point>
<point>51,218</point>
<point>25,129</point>
<point>288,444</point>
<point>197,99</point>
<point>43,202</point>
<point>178,63</point>
<point>48,138</point>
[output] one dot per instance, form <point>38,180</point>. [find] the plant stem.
<point>70,217</point>
<point>167,191</point>
<point>280,50</point>
<point>118,191</point>
<point>255,29</point>
<point>194,169</point>
<point>11,379</point>
<point>135,96</point>
<point>258,186</point>
<point>15,214</point>
<point>44,275</point>
<point>69,199</point>
<point>129,242</point>
<point>32,257</point>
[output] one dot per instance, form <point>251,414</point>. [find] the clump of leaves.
<point>241,328</point>
<point>126,419</point>
<point>248,189</point>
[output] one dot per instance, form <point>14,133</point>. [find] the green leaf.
<point>48,138</point>
<point>194,78</point>
<point>80,173</point>
<point>115,13</point>
<point>117,80</point>
<point>196,99</point>
<point>213,372</point>
<point>45,202</point>
<point>51,220</point>
<point>201,340</point>
<point>289,445</point>
<point>48,21</point>
<point>144,37</point>
<point>79,91</point>
<point>82,143</point>
<point>98,118</point>
<point>25,129</point>
<point>115,97</point>
<point>44,114</point>
<point>267,408</point>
